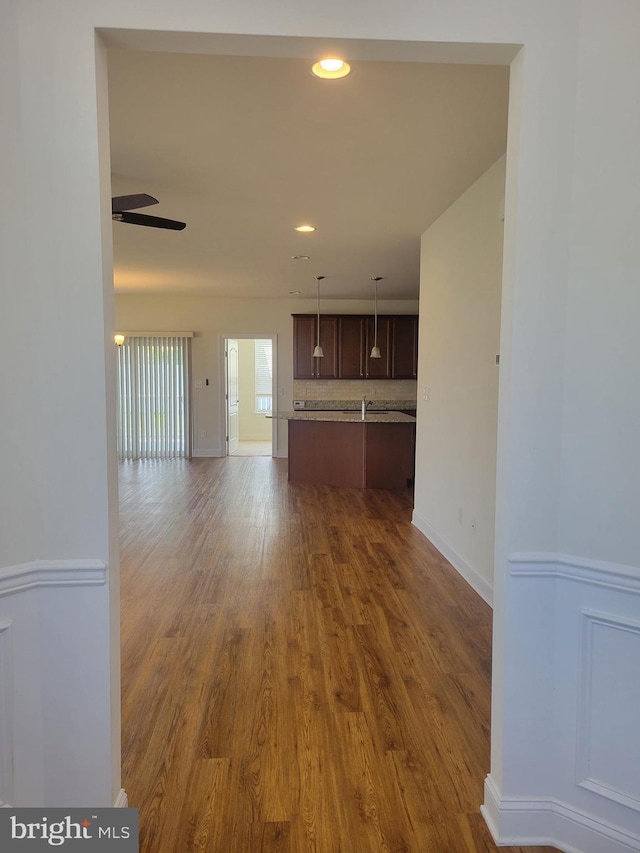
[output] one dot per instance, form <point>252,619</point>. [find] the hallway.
<point>302,671</point>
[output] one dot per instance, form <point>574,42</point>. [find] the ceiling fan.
<point>122,205</point>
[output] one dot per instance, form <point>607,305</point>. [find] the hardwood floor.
<point>302,671</point>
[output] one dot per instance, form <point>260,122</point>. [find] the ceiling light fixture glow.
<point>305,229</point>
<point>331,68</point>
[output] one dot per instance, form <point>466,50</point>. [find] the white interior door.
<point>232,395</point>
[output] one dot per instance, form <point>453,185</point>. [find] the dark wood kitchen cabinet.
<point>361,454</point>
<point>404,353</point>
<point>356,336</point>
<point>347,339</point>
<point>351,347</point>
<point>305,366</point>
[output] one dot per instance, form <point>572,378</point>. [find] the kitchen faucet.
<point>365,404</point>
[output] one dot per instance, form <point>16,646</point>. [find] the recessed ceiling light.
<point>331,68</point>
<point>305,228</point>
<point>299,257</point>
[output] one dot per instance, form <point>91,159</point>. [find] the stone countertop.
<point>348,417</point>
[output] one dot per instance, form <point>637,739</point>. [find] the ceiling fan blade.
<point>131,202</point>
<point>151,221</point>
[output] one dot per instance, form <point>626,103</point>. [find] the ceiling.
<point>243,148</point>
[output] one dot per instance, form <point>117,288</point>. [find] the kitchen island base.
<point>361,454</point>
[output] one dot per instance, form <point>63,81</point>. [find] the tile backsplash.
<point>355,389</point>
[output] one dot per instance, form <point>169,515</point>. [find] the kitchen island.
<point>341,449</point>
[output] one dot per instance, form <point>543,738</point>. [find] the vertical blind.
<point>153,397</point>
<point>264,375</point>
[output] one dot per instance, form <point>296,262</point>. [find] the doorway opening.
<point>250,395</point>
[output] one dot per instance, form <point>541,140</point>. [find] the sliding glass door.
<point>153,397</point>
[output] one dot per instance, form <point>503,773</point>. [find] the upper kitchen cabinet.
<point>404,352</point>
<point>347,339</point>
<point>351,343</point>
<point>305,366</point>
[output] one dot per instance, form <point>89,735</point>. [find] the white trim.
<point>157,334</point>
<point>472,577</point>
<point>122,800</point>
<point>222,344</point>
<point>518,821</point>
<point>206,454</point>
<point>6,712</point>
<point>52,573</point>
<point>595,572</point>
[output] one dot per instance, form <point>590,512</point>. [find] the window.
<point>153,397</point>
<point>264,376</point>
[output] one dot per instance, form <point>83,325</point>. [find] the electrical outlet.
<point>203,434</point>
<point>425,393</point>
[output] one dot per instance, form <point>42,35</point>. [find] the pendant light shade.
<point>318,353</point>
<point>375,349</point>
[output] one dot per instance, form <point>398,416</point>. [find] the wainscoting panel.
<point>608,758</point>
<point>568,727</point>
<point>55,684</point>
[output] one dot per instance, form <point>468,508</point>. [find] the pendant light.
<point>318,353</point>
<point>375,349</point>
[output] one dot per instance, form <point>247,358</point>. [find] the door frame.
<point>223,337</point>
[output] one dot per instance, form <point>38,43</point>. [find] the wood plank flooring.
<point>302,671</point>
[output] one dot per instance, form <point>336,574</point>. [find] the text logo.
<point>70,829</point>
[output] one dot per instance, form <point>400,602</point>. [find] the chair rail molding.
<point>43,573</point>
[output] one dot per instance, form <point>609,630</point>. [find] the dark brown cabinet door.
<point>304,335</point>
<point>404,349</point>
<point>327,367</point>
<point>351,347</point>
<point>305,366</point>
<point>378,368</point>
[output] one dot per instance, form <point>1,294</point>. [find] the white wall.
<point>456,434</point>
<point>572,166</point>
<point>59,505</point>
<point>600,490</point>
<point>211,318</point>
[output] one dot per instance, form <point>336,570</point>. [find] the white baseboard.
<point>517,822</point>
<point>206,454</point>
<point>475,580</point>
<point>122,800</point>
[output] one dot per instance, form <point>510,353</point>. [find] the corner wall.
<point>460,291</point>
